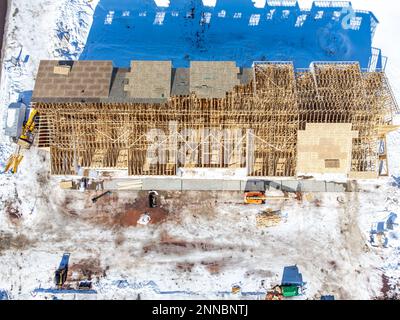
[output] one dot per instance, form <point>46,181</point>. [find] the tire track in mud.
<point>354,242</point>
<point>348,246</point>
<point>331,266</point>
<point>353,238</point>
<point>324,266</point>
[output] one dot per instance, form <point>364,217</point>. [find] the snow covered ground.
<point>207,243</point>
<point>201,243</point>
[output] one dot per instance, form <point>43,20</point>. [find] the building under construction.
<point>272,120</point>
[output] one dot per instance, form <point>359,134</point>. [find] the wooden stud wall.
<point>272,108</point>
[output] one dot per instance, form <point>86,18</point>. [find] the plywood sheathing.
<point>322,145</point>
<point>86,79</point>
<point>149,80</point>
<point>357,175</point>
<point>213,79</point>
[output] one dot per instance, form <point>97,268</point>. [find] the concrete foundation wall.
<point>177,184</point>
<point>161,184</point>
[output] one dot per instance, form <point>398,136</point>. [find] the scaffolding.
<point>254,126</point>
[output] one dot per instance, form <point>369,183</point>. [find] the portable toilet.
<point>60,275</point>
<point>14,120</point>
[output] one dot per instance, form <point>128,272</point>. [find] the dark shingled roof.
<point>99,81</point>
<point>86,80</point>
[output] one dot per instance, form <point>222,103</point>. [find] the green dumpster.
<point>290,291</point>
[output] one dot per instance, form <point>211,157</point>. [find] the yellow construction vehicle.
<point>26,138</point>
<point>259,197</point>
<point>14,161</point>
<point>25,141</point>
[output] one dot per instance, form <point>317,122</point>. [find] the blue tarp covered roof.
<point>291,276</point>
<point>139,30</point>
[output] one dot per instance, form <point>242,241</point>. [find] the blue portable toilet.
<point>64,261</point>
<point>60,275</point>
<point>292,277</point>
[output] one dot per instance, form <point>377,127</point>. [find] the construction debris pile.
<point>269,218</point>
<point>382,231</point>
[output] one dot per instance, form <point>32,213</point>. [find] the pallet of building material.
<point>66,184</point>
<point>309,197</point>
<point>268,218</point>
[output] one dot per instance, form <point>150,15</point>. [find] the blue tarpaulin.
<point>291,276</point>
<point>3,295</point>
<point>380,228</point>
<point>390,222</point>
<point>327,297</point>
<point>233,30</point>
<point>64,291</point>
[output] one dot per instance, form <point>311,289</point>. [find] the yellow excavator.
<point>14,161</point>
<point>26,138</point>
<point>25,141</point>
<point>259,197</point>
